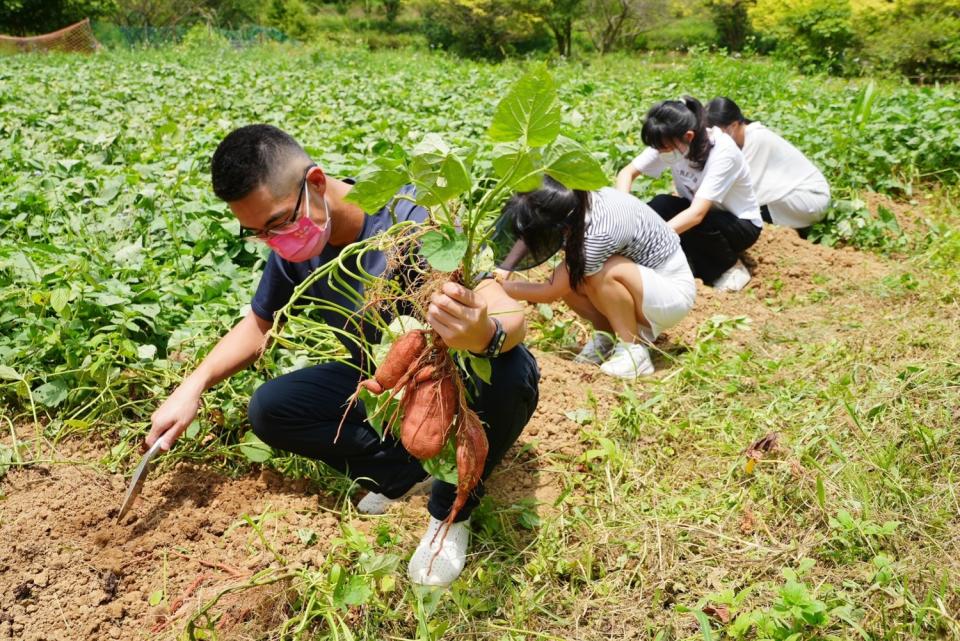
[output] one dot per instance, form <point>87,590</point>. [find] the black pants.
<point>713,246</point>
<point>299,412</point>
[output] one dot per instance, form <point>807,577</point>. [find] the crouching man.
<point>283,199</point>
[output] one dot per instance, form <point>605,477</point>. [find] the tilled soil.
<point>69,570</point>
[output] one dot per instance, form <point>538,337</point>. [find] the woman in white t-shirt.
<point>716,212</point>
<point>790,189</point>
<point>623,268</point>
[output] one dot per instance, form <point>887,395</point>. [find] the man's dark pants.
<point>300,412</point>
<point>713,246</point>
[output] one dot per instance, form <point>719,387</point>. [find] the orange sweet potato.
<point>429,406</point>
<point>472,449</point>
<point>403,355</point>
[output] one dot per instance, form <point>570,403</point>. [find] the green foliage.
<point>731,21</point>
<point>915,37</point>
<point>294,17</point>
<point>491,29</point>
<point>850,222</point>
<point>816,34</point>
<point>30,17</point>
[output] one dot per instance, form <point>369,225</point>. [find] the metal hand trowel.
<point>136,483</point>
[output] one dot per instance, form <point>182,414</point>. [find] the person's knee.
<point>261,412</point>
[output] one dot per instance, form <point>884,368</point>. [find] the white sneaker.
<point>629,360</point>
<point>374,503</point>
<point>596,349</point>
<point>734,279</point>
<point>439,559</point>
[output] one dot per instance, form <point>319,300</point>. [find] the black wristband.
<point>496,342</point>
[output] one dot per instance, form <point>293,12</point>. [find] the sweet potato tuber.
<point>404,353</point>
<point>428,410</point>
<point>472,449</point>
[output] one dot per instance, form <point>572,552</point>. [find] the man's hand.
<point>171,419</point>
<point>459,316</point>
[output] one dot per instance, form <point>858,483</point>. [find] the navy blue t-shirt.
<point>280,277</point>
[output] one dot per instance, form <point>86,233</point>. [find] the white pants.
<point>801,207</point>
<point>668,294</point>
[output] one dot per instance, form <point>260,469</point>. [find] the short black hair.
<point>668,121</point>
<point>249,157</point>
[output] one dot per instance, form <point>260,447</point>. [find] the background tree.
<point>610,23</point>
<point>560,16</point>
<point>32,17</point>
<point>732,22</point>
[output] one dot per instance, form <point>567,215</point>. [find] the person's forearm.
<point>691,216</point>
<point>531,292</point>
<point>625,178</point>
<point>240,347</point>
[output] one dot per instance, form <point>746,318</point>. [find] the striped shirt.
<point>618,223</point>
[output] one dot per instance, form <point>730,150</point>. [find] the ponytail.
<point>668,121</point>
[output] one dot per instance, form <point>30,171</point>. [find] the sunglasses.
<point>285,222</point>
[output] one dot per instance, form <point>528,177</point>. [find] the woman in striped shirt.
<point>623,268</point>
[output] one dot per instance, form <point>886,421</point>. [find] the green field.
<point>119,269</point>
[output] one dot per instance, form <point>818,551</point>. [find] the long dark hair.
<point>539,216</point>
<point>668,121</point>
<point>723,112</point>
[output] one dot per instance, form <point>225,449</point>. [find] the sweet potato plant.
<point>417,389</point>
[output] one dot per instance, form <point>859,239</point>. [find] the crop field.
<point>789,473</point>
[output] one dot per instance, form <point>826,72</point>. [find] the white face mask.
<point>672,157</point>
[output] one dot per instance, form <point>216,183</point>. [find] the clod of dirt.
<point>23,591</point>
<point>110,580</point>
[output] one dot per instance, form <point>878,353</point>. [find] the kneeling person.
<point>281,198</point>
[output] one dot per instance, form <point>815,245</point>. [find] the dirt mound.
<point>71,571</point>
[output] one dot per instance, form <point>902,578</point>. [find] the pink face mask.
<point>305,238</point>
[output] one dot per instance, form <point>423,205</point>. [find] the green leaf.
<point>706,632</point>
<point>307,536</point>
<point>529,112</point>
<point>356,591</point>
<point>255,449</point>
<point>59,298</point>
<point>7,456</point>
<point>570,164</point>
<point>443,466</point>
<point>146,352</point>
<point>482,367</point>
<point>524,161</point>
<point>580,416</point>
<point>155,597</point>
<point>193,429</point>
<point>52,394</point>
<point>438,173</point>
<point>442,252</point>
<point>377,185</point>
<point>7,373</point>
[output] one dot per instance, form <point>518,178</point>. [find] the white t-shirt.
<point>724,179</point>
<point>777,167</point>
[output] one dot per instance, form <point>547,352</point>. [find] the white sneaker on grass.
<point>374,503</point>
<point>734,279</point>
<point>596,349</point>
<point>439,559</point>
<point>629,360</point>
